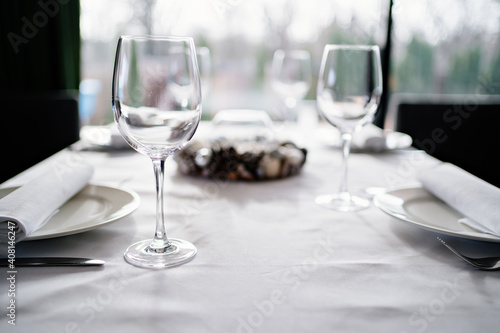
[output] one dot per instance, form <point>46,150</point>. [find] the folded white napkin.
<point>370,137</point>
<point>471,196</point>
<point>31,205</point>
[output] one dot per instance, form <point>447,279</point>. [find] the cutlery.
<point>488,264</point>
<point>49,261</point>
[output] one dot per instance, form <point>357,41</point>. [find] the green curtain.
<point>40,47</point>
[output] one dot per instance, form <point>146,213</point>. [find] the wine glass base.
<point>177,253</point>
<point>342,202</point>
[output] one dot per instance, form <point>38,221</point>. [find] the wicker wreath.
<point>245,160</point>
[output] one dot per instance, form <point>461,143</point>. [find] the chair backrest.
<point>34,126</point>
<point>463,130</point>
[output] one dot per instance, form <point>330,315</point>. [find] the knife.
<point>49,261</point>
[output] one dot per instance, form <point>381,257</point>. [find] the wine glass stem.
<point>289,109</point>
<point>160,241</point>
<point>346,149</point>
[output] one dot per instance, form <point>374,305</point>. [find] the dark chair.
<point>34,126</point>
<point>463,130</point>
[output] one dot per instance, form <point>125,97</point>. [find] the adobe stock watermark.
<point>89,309</point>
<point>291,279</point>
<point>209,191</point>
<point>31,26</point>
<point>73,158</point>
<point>223,7</point>
<point>455,118</point>
<point>420,320</point>
<point>67,165</point>
<point>11,272</point>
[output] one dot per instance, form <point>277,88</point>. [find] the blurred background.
<point>437,47</point>
<point>56,56</point>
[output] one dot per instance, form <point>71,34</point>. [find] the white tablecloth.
<point>269,259</point>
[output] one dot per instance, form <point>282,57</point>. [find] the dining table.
<point>269,258</point>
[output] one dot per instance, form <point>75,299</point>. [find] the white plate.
<point>92,207</point>
<point>419,207</point>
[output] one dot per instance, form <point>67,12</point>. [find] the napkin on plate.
<point>31,205</point>
<point>471,196</point>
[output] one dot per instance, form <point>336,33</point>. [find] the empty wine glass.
<point>156,97</point>
<point>348,95</point>
<point>205,68</point>
<point>291,78</point>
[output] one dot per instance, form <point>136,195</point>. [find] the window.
<point>241,35</point>
<point>438,47</point>
<point>446,47</point>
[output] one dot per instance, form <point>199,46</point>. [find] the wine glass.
<point>348,95</point>
<point>205,68</point>
<point>156,97</point>
<point>291,78</point>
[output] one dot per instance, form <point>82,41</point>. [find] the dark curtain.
<point>39,80</point>
<point>385,59</point>
<point>40,48</point>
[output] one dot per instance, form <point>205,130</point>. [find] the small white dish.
<point>105,137</point>
<point>242,124</point>
<point>370,139</point>
<point>92,207</point>
<point>418,207</point>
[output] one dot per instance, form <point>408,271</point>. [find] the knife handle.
<point>50,261</point>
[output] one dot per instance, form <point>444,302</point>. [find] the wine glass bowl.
<point>156,98</point>
<point>348,95</point>
<point>291,77</point>
<point>205,66</point>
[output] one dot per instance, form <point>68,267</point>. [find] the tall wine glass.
<point>348,95</point>
<point>291,78</point>
<point>156,97</point>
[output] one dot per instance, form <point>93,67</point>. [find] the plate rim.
<point>474,235</point>
<point>126,209</point>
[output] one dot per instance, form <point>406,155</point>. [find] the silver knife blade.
<point>50,261</point>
